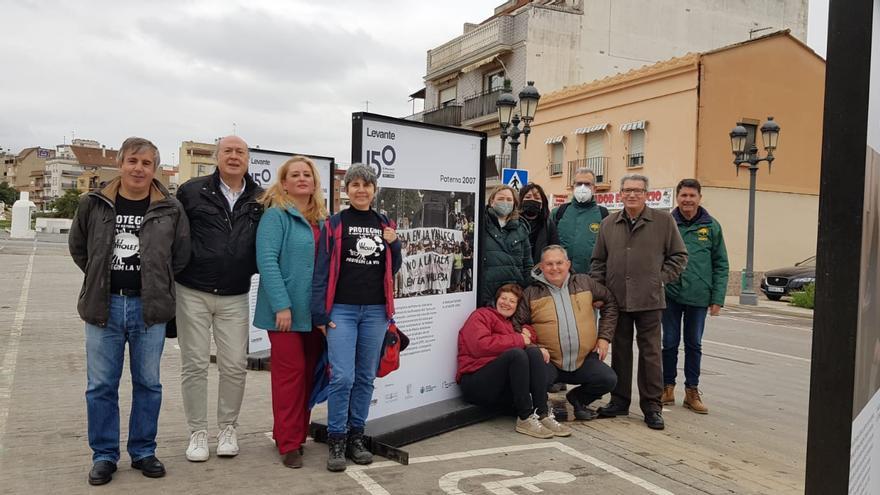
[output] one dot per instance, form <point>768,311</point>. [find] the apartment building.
<point>559,43</point>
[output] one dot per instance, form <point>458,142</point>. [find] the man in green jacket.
<point>700,289</point>
<point>578,222</point>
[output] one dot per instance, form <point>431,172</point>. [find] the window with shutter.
<point>557,153</point>
<point>636,157</point>
<point>448,95</point>
<point>595,144</point>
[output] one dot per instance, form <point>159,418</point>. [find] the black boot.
<point>336,460</point>
<point>102,473</point>
<point>356,450</point>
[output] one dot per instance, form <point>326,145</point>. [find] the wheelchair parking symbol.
<point>449,482</point>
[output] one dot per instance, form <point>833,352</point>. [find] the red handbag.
<point>395,343</point>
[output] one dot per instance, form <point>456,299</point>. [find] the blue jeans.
<point>354,347</point>
<point>694,323</point>
<point>105,356</point>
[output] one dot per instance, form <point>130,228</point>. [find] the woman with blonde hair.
<point>507,253</point>
<point>286,240</point>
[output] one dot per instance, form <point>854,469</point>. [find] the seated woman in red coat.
<point>498,366</point>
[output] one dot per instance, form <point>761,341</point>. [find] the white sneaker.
<point>559,430</point>
<point>227,442</point>
<point>532,426</point>
<point>198,447</point>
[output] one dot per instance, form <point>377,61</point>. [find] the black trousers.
<point>517,376</point>
<point>594,377</point>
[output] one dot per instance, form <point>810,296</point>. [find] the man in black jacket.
<point>213,293</point>
<point>129,238</point>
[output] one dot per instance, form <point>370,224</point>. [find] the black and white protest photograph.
<point>436,231</point>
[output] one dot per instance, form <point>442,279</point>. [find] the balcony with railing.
<point>481,105</point>
<point>492,38</point>
<point>598,164</point>
<point>635,160</point>
<point>416,117</point>
<point>449,114</point>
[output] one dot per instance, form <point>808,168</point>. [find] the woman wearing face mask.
<point>507,253</point>
<point>534,209</point>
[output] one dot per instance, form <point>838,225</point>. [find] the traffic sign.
<point>514,177</point>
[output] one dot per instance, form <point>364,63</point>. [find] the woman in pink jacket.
<point>500,367</point>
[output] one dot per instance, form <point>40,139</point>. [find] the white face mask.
<point>582,194</point>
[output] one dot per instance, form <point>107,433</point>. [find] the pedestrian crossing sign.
<point>514,177</point>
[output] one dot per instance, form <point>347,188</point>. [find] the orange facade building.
<point>671,121</point>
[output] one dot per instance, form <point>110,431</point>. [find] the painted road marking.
<point>449,482</point>
<point>7,367</point>
<point>747,320</point>
<point>359,473</point>
<point>760,351</point>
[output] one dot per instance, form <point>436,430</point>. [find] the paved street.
<point>755,381</point>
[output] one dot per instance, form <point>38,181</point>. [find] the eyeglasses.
<point>632,191</point>
<point>588,184</point>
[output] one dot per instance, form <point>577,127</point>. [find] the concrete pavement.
<point>755,381</point>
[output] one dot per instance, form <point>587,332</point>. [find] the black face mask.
<point>531,208</point>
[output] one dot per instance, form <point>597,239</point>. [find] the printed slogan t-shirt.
<point>125,265</point>
<point>362,272</point>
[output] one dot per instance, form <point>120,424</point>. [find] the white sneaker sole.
<point>227,453</point>
<point>534,434</point>
<point>197,458</point>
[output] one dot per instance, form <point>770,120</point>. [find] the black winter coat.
<point>506,255</point>
<point>543,233</point>
<point>164,251</point>
<point>224,254</point>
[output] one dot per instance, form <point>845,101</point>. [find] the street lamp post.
<point>750,159</point>
<point>509,119</point>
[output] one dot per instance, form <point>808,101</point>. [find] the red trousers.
<point>293,361</point>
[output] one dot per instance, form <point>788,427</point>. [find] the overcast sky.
<point>288,73</point>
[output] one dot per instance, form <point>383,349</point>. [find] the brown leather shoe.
<point>693,401</point>
<point>294,459</point>
<point>668,394</point>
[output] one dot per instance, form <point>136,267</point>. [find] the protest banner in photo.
<point>434,199</point>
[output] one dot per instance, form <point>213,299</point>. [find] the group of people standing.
<point>153,262</point>
<point>599,280</point>
<point>156,265</point>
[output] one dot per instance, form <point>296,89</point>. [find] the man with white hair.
<point>212,293</point>
<point>639,250</point>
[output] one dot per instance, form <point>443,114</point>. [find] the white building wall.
<point>553,56</point>
<point>618,35</point>
<point>55,179</point>
<point>565,47</point>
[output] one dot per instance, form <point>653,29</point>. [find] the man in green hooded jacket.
<point>700,289</point>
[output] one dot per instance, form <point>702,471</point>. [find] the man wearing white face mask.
<point>578,221</point>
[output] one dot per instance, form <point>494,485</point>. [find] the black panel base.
<point>386,435</point>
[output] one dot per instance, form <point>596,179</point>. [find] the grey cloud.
<point>264,45</point>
